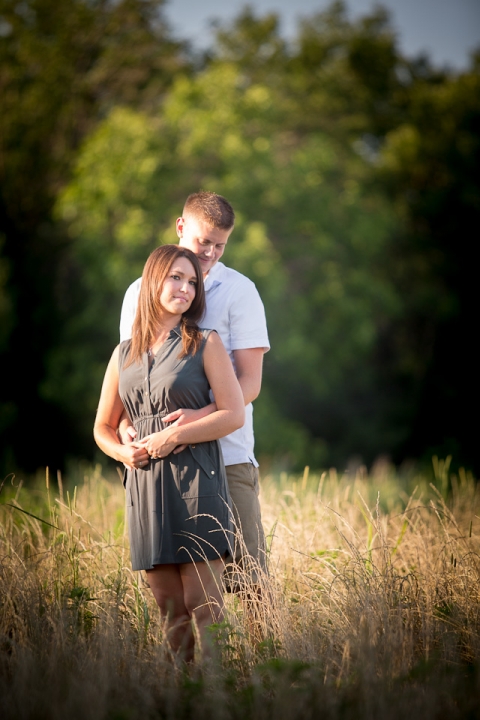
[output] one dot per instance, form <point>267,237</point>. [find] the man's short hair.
<point>212,208</point>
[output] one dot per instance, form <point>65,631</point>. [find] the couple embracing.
<point>178,391</point>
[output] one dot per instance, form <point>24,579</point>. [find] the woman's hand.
<point>159,444</point>
<point>134,455</point>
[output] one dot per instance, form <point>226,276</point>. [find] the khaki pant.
<point>248,542</point>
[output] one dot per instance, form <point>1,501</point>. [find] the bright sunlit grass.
<point>371,608</point>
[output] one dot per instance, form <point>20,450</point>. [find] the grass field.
<point>371,608</point>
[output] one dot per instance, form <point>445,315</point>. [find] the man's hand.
<point>183,416</point>
<point>126,432</point>
<point>127,435</point>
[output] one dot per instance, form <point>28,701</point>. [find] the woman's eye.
<point>175,277</point>
<point>194,283</point>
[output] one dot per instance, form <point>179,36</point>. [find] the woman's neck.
<point>164,328</point>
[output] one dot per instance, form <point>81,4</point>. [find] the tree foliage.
<point>352,170</point>
<point>63,66</point>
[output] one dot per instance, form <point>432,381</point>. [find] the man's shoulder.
<point>231,276</point>
<point>129,306</point>
<point>135,285</point>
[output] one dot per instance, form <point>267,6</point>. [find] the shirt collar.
<point>214,277</point>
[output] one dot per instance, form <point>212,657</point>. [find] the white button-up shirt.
<point>236,312</point>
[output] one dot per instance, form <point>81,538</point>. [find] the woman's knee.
<point>167,588</point>
<point>204,603</point>
<point>170,606</point>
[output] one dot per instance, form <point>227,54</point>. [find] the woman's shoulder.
<point>211,340</point>
<point>123,350</point>
<point>209,336</point>
<point>124,346</point>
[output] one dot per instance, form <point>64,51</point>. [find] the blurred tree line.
<point>353,171</point>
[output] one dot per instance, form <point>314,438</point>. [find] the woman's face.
<point>179,287</point>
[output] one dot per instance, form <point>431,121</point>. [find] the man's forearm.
<point>248,365</point>
<point>250,388</point>
<point>122,430</point>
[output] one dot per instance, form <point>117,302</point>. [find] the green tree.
<point>111,207</point>
<point>310,233</point>
<point>63,66</point>
<point>353,172</point>
<point>429,165</point>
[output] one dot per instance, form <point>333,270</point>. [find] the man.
<point>236,312</point>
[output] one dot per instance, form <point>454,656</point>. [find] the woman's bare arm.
<point>230,412</point>
<point>110,410</point>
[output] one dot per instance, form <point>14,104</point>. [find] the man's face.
<point>207,242</point>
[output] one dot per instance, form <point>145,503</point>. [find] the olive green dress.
<point>178,507</point>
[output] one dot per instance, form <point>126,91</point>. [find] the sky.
<point>447,30</point>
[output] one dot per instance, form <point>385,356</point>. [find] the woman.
<point>177,496</point>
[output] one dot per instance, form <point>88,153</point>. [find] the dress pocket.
<point>197,472</point>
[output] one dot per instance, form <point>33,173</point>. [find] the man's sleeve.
<point>248,325</point>
<point>129,308</point>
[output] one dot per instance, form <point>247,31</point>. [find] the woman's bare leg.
<point>167,587</point>
<point>203,598</point>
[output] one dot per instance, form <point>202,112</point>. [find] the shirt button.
<point>193,446</point>
<point>213,472</point>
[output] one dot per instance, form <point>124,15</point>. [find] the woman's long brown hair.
<point>149,309</point>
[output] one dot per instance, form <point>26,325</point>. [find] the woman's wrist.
<point>119,453</point>
<point>172,433</point>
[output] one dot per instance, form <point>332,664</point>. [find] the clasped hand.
<point>159,444</point>
<point>137,454</point>
<point>134,455</point>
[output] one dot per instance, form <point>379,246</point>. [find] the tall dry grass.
<point>371,608</point>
